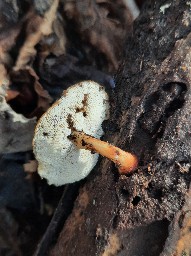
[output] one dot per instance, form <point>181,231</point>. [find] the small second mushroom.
<point>69,131</point>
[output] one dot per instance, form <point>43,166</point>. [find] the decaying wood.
<point>178,242</point>
<point>150,116</point>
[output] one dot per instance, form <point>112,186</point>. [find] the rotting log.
<point>150,116</point>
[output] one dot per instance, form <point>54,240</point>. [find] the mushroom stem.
<point>126,162</point>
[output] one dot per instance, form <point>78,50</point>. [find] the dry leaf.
<point>16,131</point>
<point>33,99</point>
<point>38,27</point>
<point>104,24</point>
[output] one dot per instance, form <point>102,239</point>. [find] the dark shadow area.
<point>145,240</point>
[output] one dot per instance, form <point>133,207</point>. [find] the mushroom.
<point>60,141</point>
<point>126,162</point>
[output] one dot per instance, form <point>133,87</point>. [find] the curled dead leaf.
<point>103,24</point>
<point>37,28</point>
<point>32,99</point>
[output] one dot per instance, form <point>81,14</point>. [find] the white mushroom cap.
<point>83,107</point>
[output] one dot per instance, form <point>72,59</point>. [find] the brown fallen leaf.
<point>103,24</point>
<point>32,99</point>
<point>55,43</point>
<point>37,28</point>
<point>10,26</point>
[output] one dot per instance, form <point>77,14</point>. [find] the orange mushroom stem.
<point>126,162</point>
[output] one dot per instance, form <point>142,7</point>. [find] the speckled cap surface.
<point>83,107</point>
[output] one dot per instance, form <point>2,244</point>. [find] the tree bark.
<point>150,116</point>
